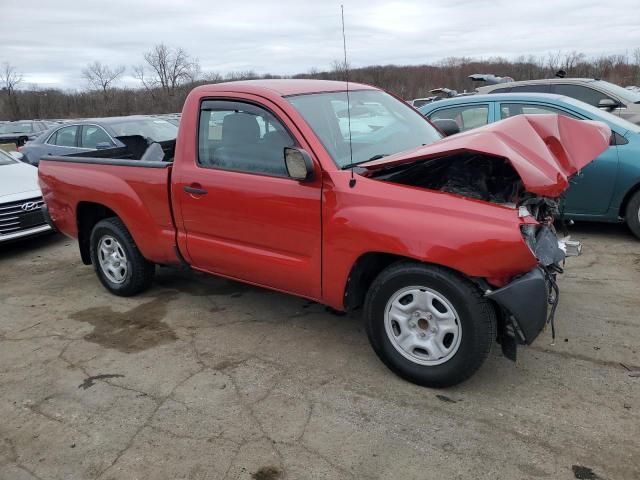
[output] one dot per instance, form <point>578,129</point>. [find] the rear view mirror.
<point>446,126</point>
<point>608,104</point>
<point>103,145</point>
<point>298,163</point>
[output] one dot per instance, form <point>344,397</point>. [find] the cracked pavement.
<point>203,378</point>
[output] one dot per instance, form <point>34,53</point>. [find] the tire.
<point>453,317</point>
<point>632,214</point>
<point>124,271</point>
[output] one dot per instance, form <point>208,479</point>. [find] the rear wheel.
<point>632,215</point>
<point>119,264</point>
<point>429,325</point>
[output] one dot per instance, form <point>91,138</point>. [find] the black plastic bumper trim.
<point>526,299</point>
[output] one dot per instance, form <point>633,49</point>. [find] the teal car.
<point>606,190</point>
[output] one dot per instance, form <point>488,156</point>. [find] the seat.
<point>241,148</point>
<point>66,139</point>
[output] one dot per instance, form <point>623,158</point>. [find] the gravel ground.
<point>205,378</point>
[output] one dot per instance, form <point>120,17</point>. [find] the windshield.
<point>156,130</point>
<point>6,159</point>
<point>627,95</point>
<point>16,127</point>
<point>600,114</point>
<point>380,124</point>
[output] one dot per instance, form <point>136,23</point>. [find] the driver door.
<point>243,216</point>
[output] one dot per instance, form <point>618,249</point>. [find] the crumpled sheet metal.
<point>545,150</point>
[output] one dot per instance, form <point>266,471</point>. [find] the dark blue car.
<point>95,134</point>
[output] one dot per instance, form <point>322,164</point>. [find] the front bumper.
<point>526,300</point>
<point>30,232</point>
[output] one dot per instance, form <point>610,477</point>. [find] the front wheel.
<point>119,264</point>
<point>632,214</point>
<point>428,324</point>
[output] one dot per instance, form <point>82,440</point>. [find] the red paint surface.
<point>304,238</point>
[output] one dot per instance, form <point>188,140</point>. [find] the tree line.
<point>167,74</point>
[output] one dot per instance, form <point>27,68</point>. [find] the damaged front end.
<point>523,163</point>
<point>529,301</point>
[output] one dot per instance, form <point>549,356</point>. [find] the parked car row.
<point>624,102</point>
<point>18,133</point>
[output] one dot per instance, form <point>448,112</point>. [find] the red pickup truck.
<point>353,201</point>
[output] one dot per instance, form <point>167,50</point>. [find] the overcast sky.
<point>51,41</point>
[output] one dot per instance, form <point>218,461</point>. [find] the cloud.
<point>50,42</point>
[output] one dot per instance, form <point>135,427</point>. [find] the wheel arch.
<point>622,211</point>
<point>87,215</point>
<point>369,265</point>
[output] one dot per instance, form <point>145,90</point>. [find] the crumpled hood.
<point>545,150</point>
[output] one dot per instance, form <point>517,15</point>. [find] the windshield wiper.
<point>375,157</point>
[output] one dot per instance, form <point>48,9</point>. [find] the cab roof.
<point>283,87</point>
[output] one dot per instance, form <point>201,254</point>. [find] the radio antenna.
<point>352,180</point>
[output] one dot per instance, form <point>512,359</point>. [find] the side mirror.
<point>298,163</point>
<point>608,104</point>
<point>446,126</point>
<point>103,145</point>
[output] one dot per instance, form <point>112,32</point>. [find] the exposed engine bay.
<point>482,177</point>
<point>493,179</point>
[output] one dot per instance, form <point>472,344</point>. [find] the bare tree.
<point>10,78</point>
<point>167,68</point>
<point>571,60</point>
<point>340,70</point>
<point>100,76</point>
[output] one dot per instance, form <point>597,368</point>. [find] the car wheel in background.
<point>118,263</point>
<point>632,215</point>
<point>429,325</point>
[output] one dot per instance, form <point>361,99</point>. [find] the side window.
<point>585,94</point>
<point>65,137</point>
<point>92,135</point>
<point>536,88</point>
<point>512,109</point>
<point>241,137</point>
<point>467,117</point>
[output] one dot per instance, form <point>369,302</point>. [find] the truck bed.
<point>135,190</point>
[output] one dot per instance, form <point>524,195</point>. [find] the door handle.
<point>194,190</point>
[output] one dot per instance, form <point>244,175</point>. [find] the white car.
<point>20,200</point>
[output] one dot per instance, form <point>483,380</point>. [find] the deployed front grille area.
<point>20,215</point>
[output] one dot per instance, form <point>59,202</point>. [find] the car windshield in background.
<point>6,159</point>
<point>625,94</point>
<point>604,115</point>
<point>16,127</point>
<point>380,124</point>
<point>156,130</point>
